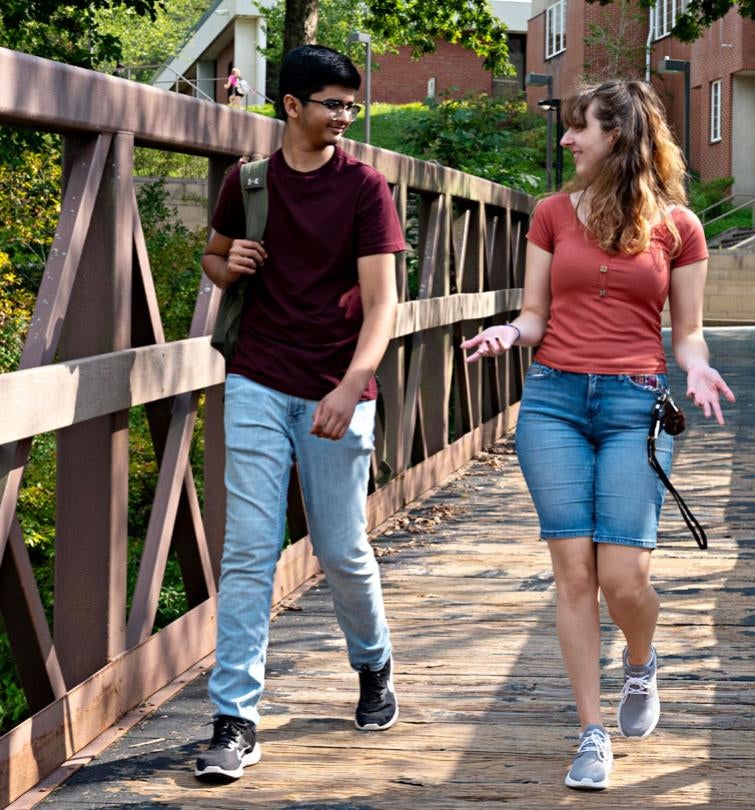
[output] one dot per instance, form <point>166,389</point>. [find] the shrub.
<point>483,136</point>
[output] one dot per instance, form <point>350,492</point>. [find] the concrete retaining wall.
<point>187,196</point>
<point>729,290</point>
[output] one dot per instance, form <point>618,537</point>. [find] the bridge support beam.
<point>91,555</point>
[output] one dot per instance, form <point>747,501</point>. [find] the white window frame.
<point>665,15</point>
<point>555,29</point>
<point>715,110</point>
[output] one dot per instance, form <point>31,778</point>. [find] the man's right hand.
<point>244,258</point>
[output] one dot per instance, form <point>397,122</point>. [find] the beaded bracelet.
<point>516,329</point>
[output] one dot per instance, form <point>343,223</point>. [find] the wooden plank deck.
<point>486,713</point>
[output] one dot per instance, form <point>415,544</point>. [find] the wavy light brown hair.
<point>643,176</point>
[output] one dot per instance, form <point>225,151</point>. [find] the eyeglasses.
<point>336,107</point>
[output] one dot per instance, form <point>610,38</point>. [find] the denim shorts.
<point>581,440</point>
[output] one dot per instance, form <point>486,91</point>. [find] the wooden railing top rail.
<point>148,373</point>
<point>42,94</point>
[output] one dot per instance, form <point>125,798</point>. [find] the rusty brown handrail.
<point>111,355</point>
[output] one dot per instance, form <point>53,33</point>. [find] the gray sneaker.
<point>594,760</point>
<point>639,708</point>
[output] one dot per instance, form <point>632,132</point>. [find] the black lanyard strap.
<point>659,412</point>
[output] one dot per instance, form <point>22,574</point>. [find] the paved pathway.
<point>486,713</point>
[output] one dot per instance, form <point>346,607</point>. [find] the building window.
<point>555,29</point>
<point>666,14</point>
<point>715,111</point>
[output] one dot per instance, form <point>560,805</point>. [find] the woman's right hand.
<point>491,342</point>
<point>244,257</point>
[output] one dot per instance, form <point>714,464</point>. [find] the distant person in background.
<point>602,259</point>
<point>233,85</point>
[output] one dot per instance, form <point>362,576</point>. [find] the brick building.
<point>231,33</point>
<point>570,38</point>
<point>399,79</point>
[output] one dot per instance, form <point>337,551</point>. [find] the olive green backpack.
<point>225,335</point>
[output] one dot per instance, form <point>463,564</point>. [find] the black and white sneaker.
<point>377,709</point>
<point>233,746</point>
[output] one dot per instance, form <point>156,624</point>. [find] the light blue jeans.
<point>581,440</point>
<point>265,432</point>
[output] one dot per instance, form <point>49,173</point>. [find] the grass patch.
<point>389,124</point>
<point>738,219</point>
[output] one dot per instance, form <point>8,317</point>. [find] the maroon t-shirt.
<point>300,329</point>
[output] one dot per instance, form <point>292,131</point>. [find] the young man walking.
<point>301,388</point>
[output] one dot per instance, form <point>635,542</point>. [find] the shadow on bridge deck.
<point>487,717</point>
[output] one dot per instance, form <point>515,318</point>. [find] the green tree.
<point>149,40</point>
<point>611,38</point>
<point>469,23</point>
<point>29,210</point>
<point>68,32</point>
<point>699,14</point>
<point>418,23</point>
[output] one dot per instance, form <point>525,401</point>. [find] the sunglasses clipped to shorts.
<point>666,415</point>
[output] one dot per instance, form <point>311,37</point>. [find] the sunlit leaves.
<point>67,32</point>
<point>482,136</point>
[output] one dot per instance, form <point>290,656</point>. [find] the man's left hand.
<point>333,414</point>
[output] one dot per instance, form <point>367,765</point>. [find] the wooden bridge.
<point>486,712</point>
<point>487,719</point>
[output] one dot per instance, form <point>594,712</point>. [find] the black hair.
<point>306,70</point>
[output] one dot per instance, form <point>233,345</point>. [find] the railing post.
<point>214,454</point>
<point>473,281</point>
<point>91,553</point>
<point>436,283</point>
<point>392,370</point>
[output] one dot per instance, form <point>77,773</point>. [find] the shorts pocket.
<point>654,383</point>
<point>537,371</point>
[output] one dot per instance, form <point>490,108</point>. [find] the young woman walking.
<point>602,259</point>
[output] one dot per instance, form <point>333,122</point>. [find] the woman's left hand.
<point>704,385</point>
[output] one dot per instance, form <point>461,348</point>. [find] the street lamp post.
<point>667,65</point>
<point>544,80</point>
<point>554,104</point>
<point>366,40</point>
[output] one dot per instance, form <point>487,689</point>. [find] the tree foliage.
<point>469,23</point>
<point>29,210</point>
<point>418,23</point>
<point>699,14</point>
<point>483,136</point>
<point>150,40</point>
<point>67,32</point>
<point>616,39</point>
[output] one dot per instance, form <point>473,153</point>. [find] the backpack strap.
<point>254,180</point>
<point>384,471</point>
<point>227,327</point>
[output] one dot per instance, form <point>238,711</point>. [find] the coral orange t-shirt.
<point>605,315</point>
